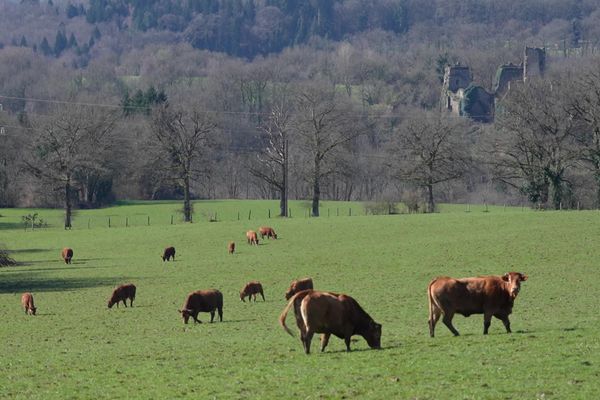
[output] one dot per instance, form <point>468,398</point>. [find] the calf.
<point>267,231</point>
<point>297,286</point>
<point>330,313</point>
<point>27,303</point>
<point>252,238</point>
<point>487,295</point>
<point>168,253</point>
<point>231,247</point>
<point>67,255</point>
<point>122,293</point>
<point>252,289</point>
<point>202,301</point>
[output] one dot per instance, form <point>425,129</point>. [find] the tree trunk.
<point>283,204</point>
<point>430,202</point>
<point>187,208</point>
<point>316,187</point>
<point>68,206</point>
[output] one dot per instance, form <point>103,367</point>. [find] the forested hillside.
<point>314,99</point>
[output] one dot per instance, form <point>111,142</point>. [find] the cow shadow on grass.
<point>24,282</point>
<point>28,250</point>
<point>357,350</point>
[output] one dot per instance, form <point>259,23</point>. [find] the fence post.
<point>577,206</point>
<point>88,223</point>
<point>290,212</point>
<point>126,222</point>
<point>560,206</point>
<point>328,212</point>
<point>349,212</point>
<point>238,215</point>
<point>337,212</point>
<point>171,220</point>
<point>249,215</point>
<point>148,220</point>
<point>269,213</point>
<point>109,222</point>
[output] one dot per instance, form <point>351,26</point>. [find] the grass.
<point>76,348</point>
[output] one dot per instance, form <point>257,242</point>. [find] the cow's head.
<point>110,303</point>
<point>373,335</point>
<point>514,282</point>
<point>185,314</point>
<point>32,310</point>
<point>242,296</point>
<point>274,235</point>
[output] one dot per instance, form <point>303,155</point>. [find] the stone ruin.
<point>462,97</point>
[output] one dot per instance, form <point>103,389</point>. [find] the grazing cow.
<point>231,247</point>
<point>122,293</point>
<point>67,255</point>
<point>27,302</point>
<point>297,286</point>
<point>487,295</point>
<point>252,289</point>
<point>202,301</point>
<point>252,238</point>
<point>330,313</point>
<point>168,254</point>
<point>267,231</point>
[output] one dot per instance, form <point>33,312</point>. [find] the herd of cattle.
<point>329,313</point>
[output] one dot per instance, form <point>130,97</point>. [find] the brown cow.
<point>122,293</point>
<point>231,247</point>
<point>330,313</point>
<point>267,231</point>
<point>252,238</point>
<point>27,302</point>
<point>297,286</point>
<point>487,295</point>
<point>252,289</point>
<point>168,253</point>
<point>67,255</point>
<point>202,301</point>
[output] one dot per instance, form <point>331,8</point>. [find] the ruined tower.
<point>534,63</point>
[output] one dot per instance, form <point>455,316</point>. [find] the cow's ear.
<point>523,277</point>
<point>505,277</point>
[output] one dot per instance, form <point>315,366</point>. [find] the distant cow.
<point>27,302</point>
<point>252,289</point>
<point>330,313</point>
<point>202,301</point>
<point>168,254</point>
<point>67,255</point>
<point>231,247</point>
<point>267,231</point>
<point>487,295</point>
<point>252,238</point>
<point>297,286</point>
<point>122,293</point>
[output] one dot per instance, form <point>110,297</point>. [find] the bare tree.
<point>72,138</point>
<point>184,138</point>
<point>274,159</point>
<point>534,147</point>
<point>429,149</point>
<point>324,123</point>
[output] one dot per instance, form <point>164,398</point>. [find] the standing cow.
<point>267,231</point>
<point>27,303</point>
<point>252,238</point>
<point>330,313</point>
<point>122,293</point>
<point>297,286</point>
<point>67,255</point>
<point>168,253</point>
<point>487,295</point>
<point>202,301</point>
<point>252,289</point>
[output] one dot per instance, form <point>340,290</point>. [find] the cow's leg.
<point>433,319</point>
<point>195,316</point>
<point>307,339</point>
<point>324,340</point>
<point>131,302</point>
<point>447,320</point>
<point>347,341</point>
<point>487,321</point>
<point>262,295</point>
<point>212,315</point>
<point>220,310</point>
<point>125,302</point>
<point>505,321</point>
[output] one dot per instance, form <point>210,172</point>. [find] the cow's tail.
<point>433,304</point>
<point>284,313</point>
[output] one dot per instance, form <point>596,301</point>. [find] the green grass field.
<point>76,348</point>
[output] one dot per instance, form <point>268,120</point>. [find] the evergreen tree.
<point>96,33</point>
<point>60,43</point>
<point>45,47</point>
<point>23,42</point>
<point>72,41</point>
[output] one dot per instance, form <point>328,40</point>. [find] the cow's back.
<point>204,300</point>
<point>467,296</point>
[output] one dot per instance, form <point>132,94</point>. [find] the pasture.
<point>76,348</point>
